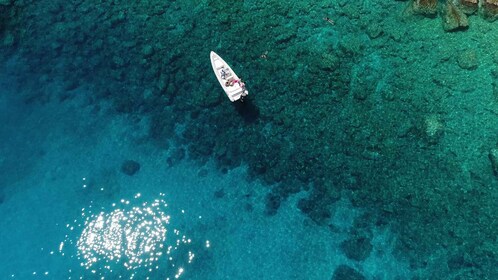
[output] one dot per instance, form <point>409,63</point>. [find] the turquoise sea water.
<point>366,149</point>
<point>70,213</point>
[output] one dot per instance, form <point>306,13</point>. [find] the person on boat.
<point>232,82</point>
<point>240,82</point>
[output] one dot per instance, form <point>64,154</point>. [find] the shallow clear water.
<point>73,214</point>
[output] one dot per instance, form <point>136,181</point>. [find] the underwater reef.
<point>454,13</point>
<point>380,106</point>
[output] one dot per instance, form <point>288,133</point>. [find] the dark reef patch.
<point>219,193</point>
<point>317,204</point>
<point>130,167</point>
<point>344,272</point>
<point>176,156</point>
<point>357,248</point>
<point>273,202</point>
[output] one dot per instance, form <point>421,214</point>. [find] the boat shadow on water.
<point>247,110</point>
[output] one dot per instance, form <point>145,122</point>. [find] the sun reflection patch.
<point>132,242</point>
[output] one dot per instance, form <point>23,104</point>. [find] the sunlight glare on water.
<point>134,242</point>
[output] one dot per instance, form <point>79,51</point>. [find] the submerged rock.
<point>344,272</point>
<point>374,30</point>
<point>454,12</point>
<point>493,157</point>
<point>425,7</point>
<point>489,9</point>
<point>494,83</point>
<point>315,208</point>
<point>8,40</point>
<point>130,167</point>
<point>468,60</point>
<point>357,248</point>
<point>272,204</point>
<point>469,7</point>
<point>6,2</point>
<point>433,128</point>
<point>459,261</point>
<point>147,51</point>
<point>176,156</point>
<point>453,18</point>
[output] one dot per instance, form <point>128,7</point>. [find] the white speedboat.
<point>233,86</point>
